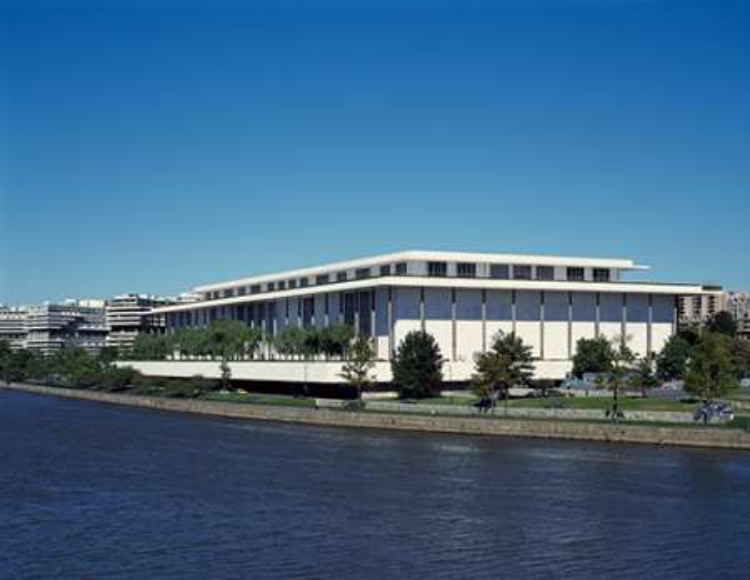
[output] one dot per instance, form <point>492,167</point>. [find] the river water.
<point>89,490</point>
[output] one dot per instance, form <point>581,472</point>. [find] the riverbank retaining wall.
<point>720,437</point>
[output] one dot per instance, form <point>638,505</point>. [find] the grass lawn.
<point>258,399</point>
<point>595,403</point>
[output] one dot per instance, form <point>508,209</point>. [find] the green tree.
<point>722,323</point>
<point>508,363</point>
<point>741,357</point>
<point>593,355</point>
<point>644,376</point>
<point>711,371</point>
<point>78,368</point>
<point>290,341</point>
<point>151,347</point>
<point>226,339</point>
<point>311,342</point>
<point>417,366</point>
<point>361,360</point>
<point>335,339</point>
<point>252,340</point>
<point>16,365</point>
<point>671,363</point>
<point>621,372</point>
<point>107,355</point>
<point>226,375</point>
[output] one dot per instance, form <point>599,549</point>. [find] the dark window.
<point>576,274</point>
<point>340,276</point>
<point>322,279</point>
<point>385,270</point>
<point>521,272</point>
<point>499,271</point>
<point>255,289</point>
<point>437,269</point>
<point>545,273</point>
<point>601,274</point>
<point>401,269</point>
<point>466,270</point>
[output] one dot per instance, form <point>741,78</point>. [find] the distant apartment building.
<point>13,326</point>
<point>79,323</point>
<point>737,306</point>
<point>697,309</point>
<point>129,315</point>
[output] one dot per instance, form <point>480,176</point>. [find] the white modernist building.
<point>462,299</point>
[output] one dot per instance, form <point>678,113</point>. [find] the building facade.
<point>129,315</point>
<point>79,323</point>
<point>462,299</point>
<point>13,329</point>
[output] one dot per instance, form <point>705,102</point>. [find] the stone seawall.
<point>689,436</point>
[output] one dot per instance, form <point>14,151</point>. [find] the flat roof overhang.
<point>422,255</point>
<point>458,283</point>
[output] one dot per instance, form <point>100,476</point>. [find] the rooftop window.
<point>439,269</point>
<point>499,271</point>
<point>601,275</point>
<point>464,270</point>
<point>521,272</point>
<point>545,273</point>
<point>576,274</point>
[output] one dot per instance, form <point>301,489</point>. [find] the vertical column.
<point>357,305</point>
<point>541,324</point>
<point>453,324</point>
<point>513,310</point>
<point>421,309</point>
<point>570,325</point>
<point>649,326</point>
<point>598,314</point>
<point>391,346</point>
<point>484,320</point>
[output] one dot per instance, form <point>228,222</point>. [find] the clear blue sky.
<point>153,145</point>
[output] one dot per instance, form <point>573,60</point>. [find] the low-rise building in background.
<point>52,326</point>
<point>13,326</point>
<point>129,315</point>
